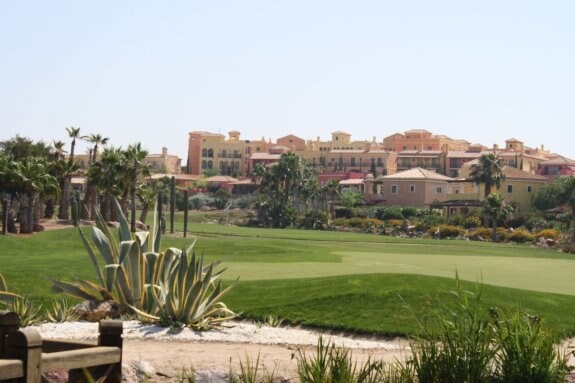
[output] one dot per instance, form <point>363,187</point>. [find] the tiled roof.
<point>221,179</point>
<point>418,173</point>
<point>352,181</point>
<point>417,131</point>
<point>514,173</point>
<point>351,151</point>
<point>265,156</point>
<point>559,161</point>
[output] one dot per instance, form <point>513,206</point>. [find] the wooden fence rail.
<point>24,356</point>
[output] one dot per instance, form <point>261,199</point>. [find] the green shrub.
<point>200,200</point>
<point>548,233</point>
<point>409,212</point>
<point>389,212</point>
<point>446,231</point>
<point>343,212</point>
<point>314,220</point>
<point>459,351</point>
<point>480,233</point>
<point>471,221</point>
<point>526,352</point>
<point>521,236</point>
<point>340,222</point>
<point>394,223</point>
<point>22,306</point>
<point>456,220</point>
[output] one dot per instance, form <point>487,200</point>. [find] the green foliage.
<point>390,212</point>
<point>60,312</point>
<point>332,364</point>
<point>343,212</point>
<point>350,199</point>
<point>471,221</point>
<point>22,306</point>
<point>221,198</point>
<point>457,349</point>
<point>466,345</point>
<point>314,220</point>
<point>410,212</point>
<point>526,352</point>
<point>28,314</point>
<point>446,231</point>
<point>169,287</point>
<point>200,200</point>
<point>480,234</point>
<point>521,236</point>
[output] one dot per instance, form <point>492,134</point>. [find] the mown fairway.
<point>340,280</point>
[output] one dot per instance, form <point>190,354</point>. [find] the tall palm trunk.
<point>64,211</point>
<point>87,210</point>
<point>39,209</point>
<point>26,213</point>
<point>494,229</point>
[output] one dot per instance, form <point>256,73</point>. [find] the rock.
<point>61,376</point>
<point>94,311</point>
<point>550,242</point>
<point>141,369</point>
<point>211,376</point>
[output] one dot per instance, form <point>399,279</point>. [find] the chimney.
<point>495,148</point>
<point>164,151</point>
<point>373,139</point>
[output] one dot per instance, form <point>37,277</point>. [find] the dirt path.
<point>169,358</point>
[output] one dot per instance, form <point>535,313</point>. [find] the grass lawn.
<point>346,281</point>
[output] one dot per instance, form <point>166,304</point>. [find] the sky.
<point>153,71</point>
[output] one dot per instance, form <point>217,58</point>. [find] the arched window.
<point>211,153</point>
<point>224,153</point>
<point>204,164</point>
<point>210,164</point>
<point>204,152</point>
<point>352,161</point>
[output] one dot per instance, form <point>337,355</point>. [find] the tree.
<point>567,197</point>
<point>134,166</point>
<point>32,179</point>
<point>74,134</point>
<point>488,171</point>
<point>89,202</point>
<point>351,198</point>
<point>332,191</point>
<point>373,168</point>
<point>495,207</point>
<point>20,148</point>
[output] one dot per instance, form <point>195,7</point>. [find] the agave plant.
<point>61,312</point>
<point>166,287</point>
<point>18,304</point>
<point>6,297</point>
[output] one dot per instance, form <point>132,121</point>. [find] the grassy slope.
<point>368,302</point>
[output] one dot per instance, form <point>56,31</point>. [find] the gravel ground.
<point>163,354</point>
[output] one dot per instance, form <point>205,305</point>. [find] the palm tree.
<point>494,206</point>
<point>107,176</point>
<point>89,202</point>
<point>32,179</point>
<point>133,166</point>
<point>74,134</point>
<point>567,197</point>
<point>147,197</point>
<point>488,171</point>
<point>332,190</point>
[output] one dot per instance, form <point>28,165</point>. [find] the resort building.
<point>415,187</point>
<point>556,167</point>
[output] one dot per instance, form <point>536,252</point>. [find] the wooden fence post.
<point>111,336</point>
<point>26,345</point>
<point>186,201</point>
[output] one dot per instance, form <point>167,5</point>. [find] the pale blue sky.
<point>152,71</point>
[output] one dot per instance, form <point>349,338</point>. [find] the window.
<point>224,153</point>
<point>204,164</point>
<point>412,188</point>
<point>204,152</point>
<point>210,153</point>
<point>352,163</point>
<point>430,147</point>
<point>393,189</point>
<point>210,164</point>
<point>404,147</point>
<point>509,189</point>
<point>439,190</point>
<point>529,189</point>
<point>380,162</point>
